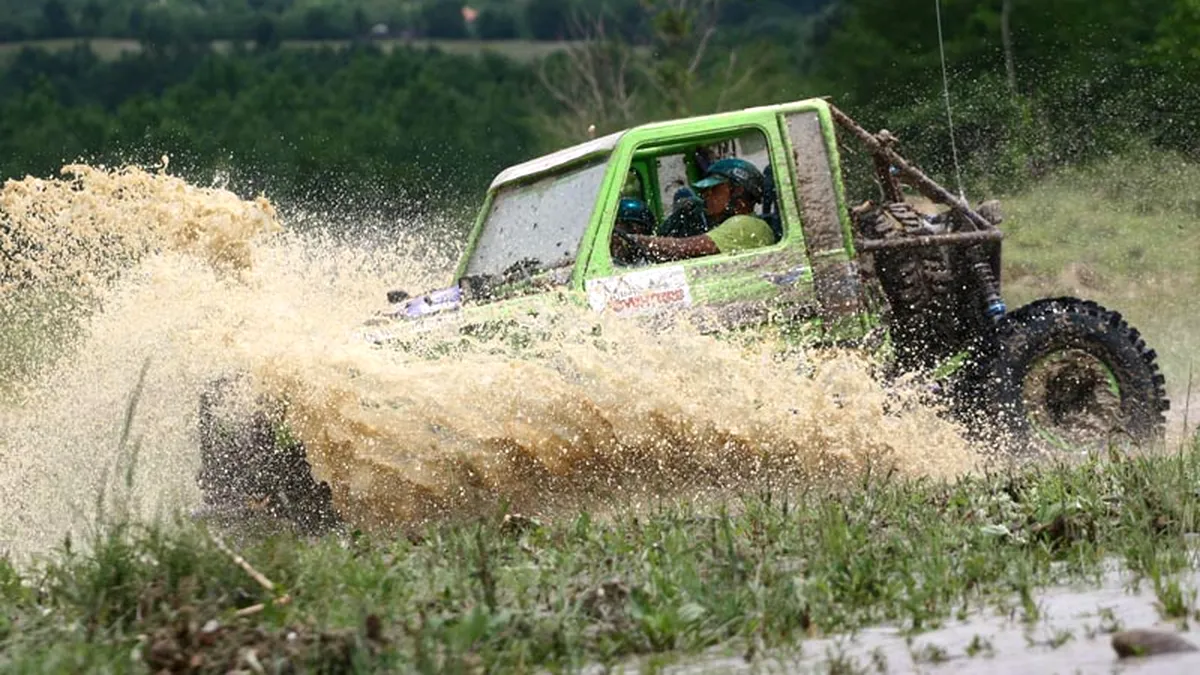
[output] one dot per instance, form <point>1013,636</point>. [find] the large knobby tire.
<point>925,318</point>
<point>250,469</point>
<point>1069,375</point>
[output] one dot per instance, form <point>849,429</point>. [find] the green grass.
<point>1125,233</point>
<point>113,48</point>
<point>764,570</point>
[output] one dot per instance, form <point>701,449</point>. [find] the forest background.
<point>406,106</point>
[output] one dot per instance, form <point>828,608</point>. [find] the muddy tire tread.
<point>919,285</point>
<point>1037,323</point>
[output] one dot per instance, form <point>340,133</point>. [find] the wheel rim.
<point>1072,400</point>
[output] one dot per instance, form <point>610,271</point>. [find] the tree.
<point>318,24</point>
<point>1177,39</point>
<point>602,80</point>
<point>548,19</point>
<point>683,32</point>
<point>10,31</point>
<point>137,19</point>
<point>91,16</point>
<point>496,24</point>
<point>361,24</point>
<point>266,33</point>
<point>56,22</point>
<point>1010,68</point>
<point>444,19</point>
<point>592,80</point>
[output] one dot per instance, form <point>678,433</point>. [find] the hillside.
<point>346,19</point>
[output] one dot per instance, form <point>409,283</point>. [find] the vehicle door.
<point>717,292</point>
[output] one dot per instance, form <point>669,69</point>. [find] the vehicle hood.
<point>456,305</point>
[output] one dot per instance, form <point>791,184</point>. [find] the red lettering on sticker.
<point>647,300</point>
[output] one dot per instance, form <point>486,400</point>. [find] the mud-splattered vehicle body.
<point>919,286</point>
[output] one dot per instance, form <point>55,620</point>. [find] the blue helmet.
<point>736,171</point>
<point>632,210</point>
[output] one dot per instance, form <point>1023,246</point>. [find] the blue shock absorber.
<point>994,303</point>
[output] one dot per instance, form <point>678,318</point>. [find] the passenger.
<point>633,218</point>
<point>730,190</point>
<point>687,217</point>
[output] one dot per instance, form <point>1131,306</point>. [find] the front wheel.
<point>1069,375</point>
<point>250,467</point>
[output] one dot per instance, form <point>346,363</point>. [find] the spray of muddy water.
<point>198,283</point>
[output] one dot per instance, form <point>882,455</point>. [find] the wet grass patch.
<point>513,594</point>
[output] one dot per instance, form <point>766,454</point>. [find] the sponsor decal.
<point>641,292</point>
<point>447,299</point>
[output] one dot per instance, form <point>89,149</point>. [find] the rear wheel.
<point>1069,375</point>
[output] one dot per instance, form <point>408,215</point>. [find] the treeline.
<point>401,132</point>
<point>207,20</point>
<point>1032,86</point>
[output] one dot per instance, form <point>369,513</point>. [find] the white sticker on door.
<point>640,292</point>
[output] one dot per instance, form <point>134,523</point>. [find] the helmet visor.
<point>709,181</point>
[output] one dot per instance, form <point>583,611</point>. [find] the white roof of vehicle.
<point>558,158</point>
<point>607,143</point>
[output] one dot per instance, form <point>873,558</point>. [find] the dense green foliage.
<point>325,19</point>
<point>310,126</point>
<point>1087,79</point>
<point>1074,81</point>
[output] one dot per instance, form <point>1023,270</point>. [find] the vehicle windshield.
<point>539,223</point>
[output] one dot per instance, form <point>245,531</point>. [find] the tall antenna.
<point>946,93</point>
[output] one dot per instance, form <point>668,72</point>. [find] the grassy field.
<point>1124,233</point>
<point>518,596</point>
<point>112,48</point>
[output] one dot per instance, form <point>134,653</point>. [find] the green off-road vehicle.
<point>923,283</point>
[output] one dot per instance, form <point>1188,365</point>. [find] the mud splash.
<point>84,229</point>
<point>198,283</point>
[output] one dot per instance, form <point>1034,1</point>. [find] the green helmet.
<point>737,171</point>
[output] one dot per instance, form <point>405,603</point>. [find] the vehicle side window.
<point>672,177</point>
<point>717,197</point>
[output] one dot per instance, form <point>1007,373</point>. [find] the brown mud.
<point>199,283</point>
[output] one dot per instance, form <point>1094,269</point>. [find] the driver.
<point>730,189</point>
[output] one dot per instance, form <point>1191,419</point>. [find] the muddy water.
<point>1072,634</point>
<point>195,283</point>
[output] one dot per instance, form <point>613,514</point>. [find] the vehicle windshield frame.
<point>560,184</point>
